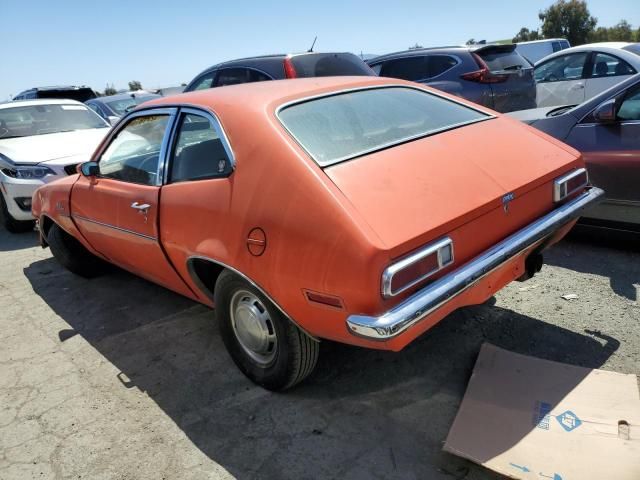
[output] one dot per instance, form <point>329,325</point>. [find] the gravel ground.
<point>116,378</point>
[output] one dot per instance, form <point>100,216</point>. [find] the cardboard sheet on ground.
<point>529,418</point>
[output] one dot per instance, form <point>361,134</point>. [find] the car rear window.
<point>499,59</point>
<point>634,48</point>
<point>329,64</point>
<point>346,125</point>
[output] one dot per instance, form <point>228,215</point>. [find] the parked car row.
<point>359,209</point>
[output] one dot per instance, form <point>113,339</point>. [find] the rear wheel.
<point>11,224</point>
<point>72,254</point>
<point>266,346</point>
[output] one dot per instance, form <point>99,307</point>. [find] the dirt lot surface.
<point>116,378</point>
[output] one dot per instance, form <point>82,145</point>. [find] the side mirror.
<point>89,169</point>
<point>606,112</point>
<point>113,120</point>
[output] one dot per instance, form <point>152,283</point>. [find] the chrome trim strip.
<point>209,293</point>
<point>433,92</point>
<point>148,237</point>
<point>557,184</point>
<point>391,270</point>
<point>426,301</point>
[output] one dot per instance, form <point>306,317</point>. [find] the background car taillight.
<point>416,267</point>
<point>569,183</point>
<point>483,75</point>
<point>289,69</point>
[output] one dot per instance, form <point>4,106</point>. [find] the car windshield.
<point>634,48</point>
<point>123,105</point>
<point>25,121</point>
<point>346,125</point>
<point>500,59</point>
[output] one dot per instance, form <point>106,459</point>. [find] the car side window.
<point>204,82</point>
<point>408,68</point>
<point>565,67</point>
<point>630,106</point>
<point>438,64</point>
<point>199,151</point>
<point>134,153</point>
<point>234,76</point>
<point>605,65</point>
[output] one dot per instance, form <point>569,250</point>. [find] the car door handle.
<point>140,207</point>
<point>577,87</point>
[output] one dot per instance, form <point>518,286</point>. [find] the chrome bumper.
<point>436,294</point>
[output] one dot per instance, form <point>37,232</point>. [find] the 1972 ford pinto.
<point>361,210</point>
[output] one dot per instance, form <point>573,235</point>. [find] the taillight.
<point>416,267</point>
<point>483,75</point>
<point>569,183</point>
<point>289,69</point>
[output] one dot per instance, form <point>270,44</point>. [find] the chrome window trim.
<point>280,108</point>
<point>391,270</point>
<point>557,192</point>
<point>122,124</point>
<point>108,225</point>
<point>210,294</point>
<point>217,126</point>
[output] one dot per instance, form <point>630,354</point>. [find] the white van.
<point>538,49</point>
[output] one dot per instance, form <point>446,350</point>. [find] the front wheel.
<point>72,254</point>
<point>267,347</point>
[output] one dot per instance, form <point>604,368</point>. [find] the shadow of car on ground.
<point>17,241</point>
<point>362,414</point>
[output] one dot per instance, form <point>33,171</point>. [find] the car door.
<point>612,154</point>
<point>117,210</point>
<point>605,71</point>
<point>561,80</point>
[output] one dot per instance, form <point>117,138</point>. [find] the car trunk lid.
<point>510,77</point>
<point>416,192</point>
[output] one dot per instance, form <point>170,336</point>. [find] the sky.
<point>166,43</point>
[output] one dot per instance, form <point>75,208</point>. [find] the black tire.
<point>72,255</point>
<point>295,354</point>
<point>11,224</point>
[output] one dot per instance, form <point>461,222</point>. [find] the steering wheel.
<point>3,131</point>
<point>146,162</point>
<point>552,77</point>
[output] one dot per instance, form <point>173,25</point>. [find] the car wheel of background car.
<point>10,223</point>
<point>72,254</point>
<point>266,346</point>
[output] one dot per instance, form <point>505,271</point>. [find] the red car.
<point>360,210</point>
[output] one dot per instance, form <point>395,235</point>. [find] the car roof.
<point>614,48</point>
<point>416,51</point>
<point>274,56</point>
<point>259,95</point>
<point>39,101</point>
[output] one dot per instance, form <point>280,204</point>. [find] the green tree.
<point>526,35</point>
<point>109,90</point>
<point>621,32</point>
<point>135,85</point>
<point>471,41</point>
<point>416,47</point>
<point>568,19</point>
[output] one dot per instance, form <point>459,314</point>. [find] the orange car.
<point>360,210</point>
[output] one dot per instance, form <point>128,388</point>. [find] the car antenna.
<point>312,45</point>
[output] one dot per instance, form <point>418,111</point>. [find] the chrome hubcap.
<point>253,327</point>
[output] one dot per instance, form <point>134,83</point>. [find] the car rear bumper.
<point>426,301</point>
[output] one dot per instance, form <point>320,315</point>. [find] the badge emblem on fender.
<point>506,199</point>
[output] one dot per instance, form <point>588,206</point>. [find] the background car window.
<point>199,152</point>
<point>609,66</point>
<point>204,82</point>
<point>566,67</point>
<point>408,68</point>
<point>134,153</point>
<point>498,59</point>
<point>234,76</point>
<point>438,64</point>
<point>329,64</point>
<point>630,107</point>
<point>24,121</point>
